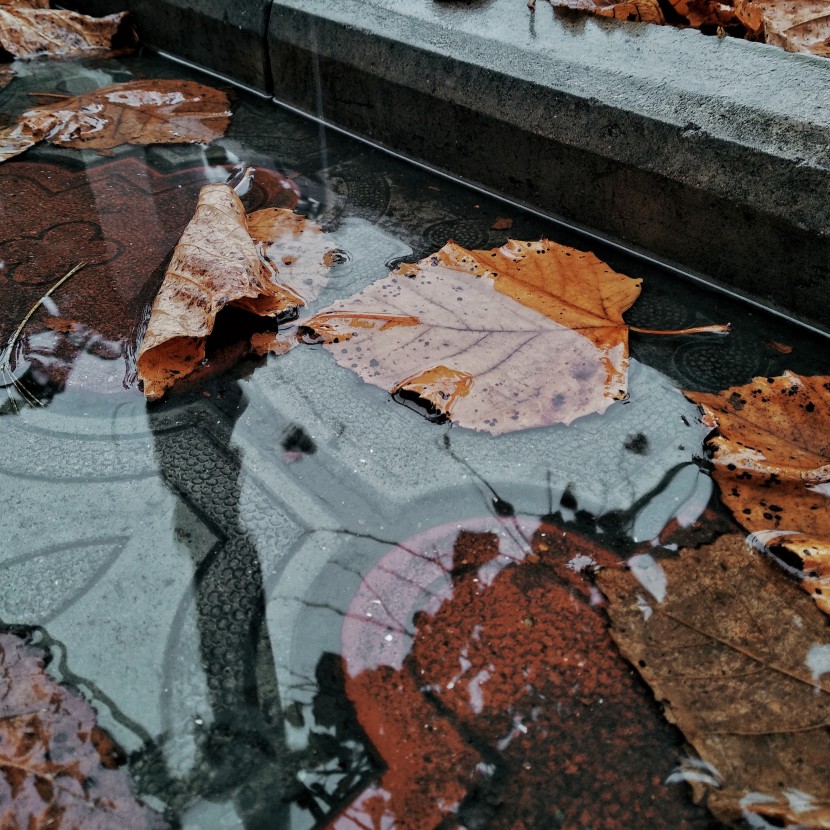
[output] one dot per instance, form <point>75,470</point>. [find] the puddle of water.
<point>294,602</point>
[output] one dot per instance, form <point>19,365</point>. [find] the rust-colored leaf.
<point>740,661</point>
<point>6,75</point>
<point>217,264</point>
<point>525,335</point>
<point>32,30</point>
<point>57,768</point>
<point>772,460</point>
<point>486,680</point>
<point>136,112</point>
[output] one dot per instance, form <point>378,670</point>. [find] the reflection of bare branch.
<point>7,375</point>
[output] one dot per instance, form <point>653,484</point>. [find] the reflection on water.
<point>270,585</point>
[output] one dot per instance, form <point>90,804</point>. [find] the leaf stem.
<point>716,329</point>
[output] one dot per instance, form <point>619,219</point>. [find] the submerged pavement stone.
<point>712,153</point>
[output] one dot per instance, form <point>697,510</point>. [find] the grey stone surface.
<point>714,153</point>
<point>224,37</point>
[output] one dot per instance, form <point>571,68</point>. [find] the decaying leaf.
<point>32,30</point>
<point>216,264</point>
<point>740,661</point>
<point>485,679</point>
<point>526,335</point>
<point>772,464</point>
<point>795,25</point>
<point>57,768</point>
<point>136,112</point>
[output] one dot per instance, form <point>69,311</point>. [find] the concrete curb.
<point>712,153</point>
<point>225,37</point>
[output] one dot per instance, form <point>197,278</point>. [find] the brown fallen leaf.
<point>502,223</point>
<point>216,264</point>
<point>136,112</point>
<point>794,25</point>
<point>31,30</point>
<point>772,464</point>
<point>6,75</point>
<point>57,768</point>
<point>739,661</point>
<point>526,335</point>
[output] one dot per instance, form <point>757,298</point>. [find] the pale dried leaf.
<point>33,30</point>
<point>740,661</point>
<point>795,25</point>
<point>57,768</point>
<point>521,336</point>
<point>136,112</point>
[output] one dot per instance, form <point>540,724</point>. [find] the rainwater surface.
<point>293,602</point>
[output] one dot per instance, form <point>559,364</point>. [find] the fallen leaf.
<point>270,342</point>
<point>485,679</point>
<point>6,75</point>
<point>783,348</point>
<point>526,335</point>
<point>772,461</point>
<point>136,112</point>
<point>216,264</point>
<point>739,661</point>
<point>57,768</point>
<point>794,25</point>
<point>502,223</point>
<point>31,30</point>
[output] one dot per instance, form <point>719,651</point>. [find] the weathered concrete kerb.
<point>713,153</point>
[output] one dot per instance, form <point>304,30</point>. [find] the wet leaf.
<point>772,462</point>
<point>739,660</point>
<point>526,335</point>
<point>6,75</point>
<point>136,112</point>
<point>482,672</point>
<point>32,30</point>
<point>217,264</point>
<point>57,768</point>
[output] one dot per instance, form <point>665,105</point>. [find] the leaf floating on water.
<point>57,768</point>
<point>532,332</point>
<point>30,29</point>
<point>772,463</point>
<point>741,662</point>
<point>136,112</point>
<point>217,264</point>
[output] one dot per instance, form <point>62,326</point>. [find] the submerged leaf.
<point>6,75</point>
<point>525,335</point>
<point>217,264</point>
<point>57,768</point>
<point>772,460</point>
<point>31,30</point>
<point>740,661</point>
<point>136,112</point>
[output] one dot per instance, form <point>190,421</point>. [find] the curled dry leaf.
<point>526,335</point>
<point>32,30</point>
<point>57,768</point>
<point>136,112</point>
<point>740,662</point>
<point>217,263</point>
<point>772,464</point>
